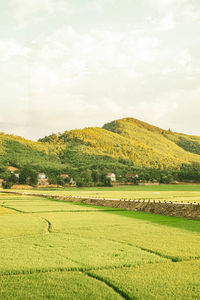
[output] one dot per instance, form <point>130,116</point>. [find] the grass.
<point>60,250</point>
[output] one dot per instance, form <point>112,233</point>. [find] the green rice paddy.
<point>58,250</point>
<point>174,193</point>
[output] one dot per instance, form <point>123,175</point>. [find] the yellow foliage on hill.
<point>131,139</point>
<point>126,139</point>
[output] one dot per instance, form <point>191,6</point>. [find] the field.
<point>175,193</point>
<point>58,250</point>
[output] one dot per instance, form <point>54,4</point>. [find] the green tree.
<point>28,176</point>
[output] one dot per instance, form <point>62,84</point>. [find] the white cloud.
<point>11,48</point>
<point>43,78</point>
<point>190,12</point>
<point>105,64</point>
<point>164,23</point>
<point>168,71</point>
<point>145,47</point>
<point>23,10</point>
<point>34,11</point>
<point>185,117</point>
<point>68,55</point>
<point>168,22</point>
<point>184,57</point>
<point>166,2</point>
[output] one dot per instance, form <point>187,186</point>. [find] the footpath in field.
<point>59,250</point>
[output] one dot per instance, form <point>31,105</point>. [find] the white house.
<point>42,179</point>
<point>42,176</point>
<point>112,176</point>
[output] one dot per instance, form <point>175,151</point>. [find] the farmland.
<point>175,193</point>
<point>58,250</point>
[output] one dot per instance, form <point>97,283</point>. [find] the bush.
<point>7,184</point>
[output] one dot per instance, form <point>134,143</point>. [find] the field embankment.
<point>175,209</point>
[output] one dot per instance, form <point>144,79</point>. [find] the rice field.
<point>174,193</point>
<point>58,250</point>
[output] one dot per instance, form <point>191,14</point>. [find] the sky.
<point>68,64</point>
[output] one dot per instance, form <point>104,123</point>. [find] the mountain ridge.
<point>122,143</point>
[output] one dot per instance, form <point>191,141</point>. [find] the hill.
<point>156,147</point>
<point>17,151</point>
<point>129,140</point>
<point>125,145</point>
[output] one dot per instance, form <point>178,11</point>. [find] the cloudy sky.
<point>76,63</point>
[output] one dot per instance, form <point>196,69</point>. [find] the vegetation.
<point>79,251</point>
<point>157,281</point>
<point>56,285</point>
<point>123,146</point>
<point>174,193</point>
<point>187,142</point>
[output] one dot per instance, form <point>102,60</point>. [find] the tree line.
<point>91,176</point>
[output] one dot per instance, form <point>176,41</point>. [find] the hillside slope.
<point>128,140</point>
<point>160,148</point>
<point>17,151</point>
<point>120,145</point>
<point>187,142</point>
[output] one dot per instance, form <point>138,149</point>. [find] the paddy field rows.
<point>174,193</point>
<point>58,250</point>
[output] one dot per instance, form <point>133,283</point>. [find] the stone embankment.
<point>175,209</point>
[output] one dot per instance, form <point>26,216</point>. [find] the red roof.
<point>12,169</point>
<point>64,175</point>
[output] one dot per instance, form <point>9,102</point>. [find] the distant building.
<point>64,176</point>
<point>14,171</point>
<point>42,176</point>
<point>42,179</point>
<point>112,176</point>
<point>72,182</point>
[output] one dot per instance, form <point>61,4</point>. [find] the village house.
<point>14,171</point>
<point>112,176</point>
<point>42,176</point>
<point>64,176</point>
<point>72,182</point>
<point>42,179</point>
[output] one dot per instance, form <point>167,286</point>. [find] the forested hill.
<point>118,145</point>
<point>137,129</point>
<point>17,151</point>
